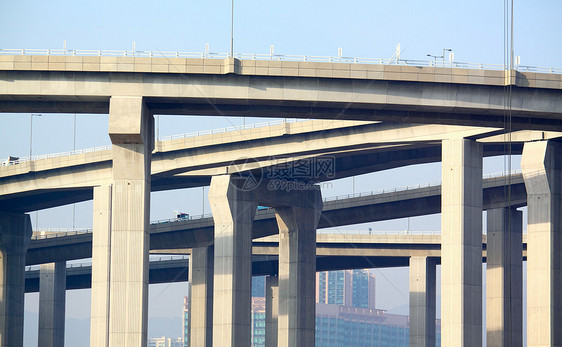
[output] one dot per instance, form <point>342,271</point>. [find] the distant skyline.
<point>474,30</point>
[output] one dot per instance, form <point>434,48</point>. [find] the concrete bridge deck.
<point>185,234</point>
<point>334,252</point>
<point>354,147</point>
<point>233,87</point>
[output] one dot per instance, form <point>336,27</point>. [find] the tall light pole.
<point>74,149</point>
<point>434,58</point>
<point>232,28</point>
<point>31,133</point>
<point>445,50</point>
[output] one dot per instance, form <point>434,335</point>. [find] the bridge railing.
<point>376,232</point>
<point>45,233</point>
<point>275,57</point>
<point>231,129</point>
<point>88,262</point>
<point>164,138</point>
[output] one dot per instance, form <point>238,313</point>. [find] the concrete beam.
<point>52,302</point>
<point>422,301</point>
<point>15,234</point>
<point>504,278</point>
<point>201,295</point>
<point>542,171</point>
<point>461,243</point>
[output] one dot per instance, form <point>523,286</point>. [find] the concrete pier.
<point>271,310</point>
<point>422,301</point>
<point>15,234</point>
<point>52,302</point>
<point>101,256</point>
<point>542,171</point>
<point>297,269</point>
<point>461,243</point>
<point>504,278</point>
<point>233,213</point>
<point>201,295</point>
<point>131,129</point>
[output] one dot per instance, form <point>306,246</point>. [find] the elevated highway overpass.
<point>233,87</point>
<point>337,211</point>
<point>132,91</point>
<point>337,251</point>
<point>351,147</point>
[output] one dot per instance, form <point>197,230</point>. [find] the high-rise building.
<point>258,286</point>
<point>185,319</point>
<point>347,287</point>
<point>258,322</point>
<point>165,342</point>
<point>345,313</point>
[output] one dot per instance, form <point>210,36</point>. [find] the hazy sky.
<point>369,29</point>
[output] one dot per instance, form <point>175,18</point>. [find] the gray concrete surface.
<point>271,310</point>
<point>233,213</point>
<point>422,301</point>
<point>131,129</point>
<point>297,268</point>
<point>15,233</point>
<point>504,278</point>
<point>201,273</point>
<point>52,303</point>
<point>461,225</point>
<point>542,170</point>
<point>233,87</point>
<point>101,266</point>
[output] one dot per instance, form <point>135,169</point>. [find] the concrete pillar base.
<point>422,301</point>
<point>504,280</point>
<point>297,269</point>
<point>461,243</point>
<point>52,302</point>
<point>542,172</point>
<point>15,234</point>
<point>271,310</point>
<point>201,296</point>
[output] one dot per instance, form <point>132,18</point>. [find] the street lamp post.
<point>442,56</point>
<point>445,50</point>
<point>434,58</point>
<point>31,133</point>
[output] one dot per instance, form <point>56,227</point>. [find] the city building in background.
<point>165,342</point>
<point>258,321</point>
<point>345,313</point>
<point>347,287</point>
<point>185,321</point>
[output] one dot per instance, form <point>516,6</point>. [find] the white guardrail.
<point>46,233</point>
<point>233,128</point>
<point>277,57</point>
<point>88,263</point>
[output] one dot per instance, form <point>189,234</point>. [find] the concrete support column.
<point>131,129</point>
<point>461,243</point>
<point>297,269</point>
<point>101,256</point>
<point>201,296</point>
<point>422,301</point>
<point>52,299</point>
<point>271,310</point>
<point>504,278</point>
<point>15,234</point>
<point>542,172</point>
<point>233,213</point>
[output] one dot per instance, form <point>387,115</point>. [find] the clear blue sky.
<point>370,29</point>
